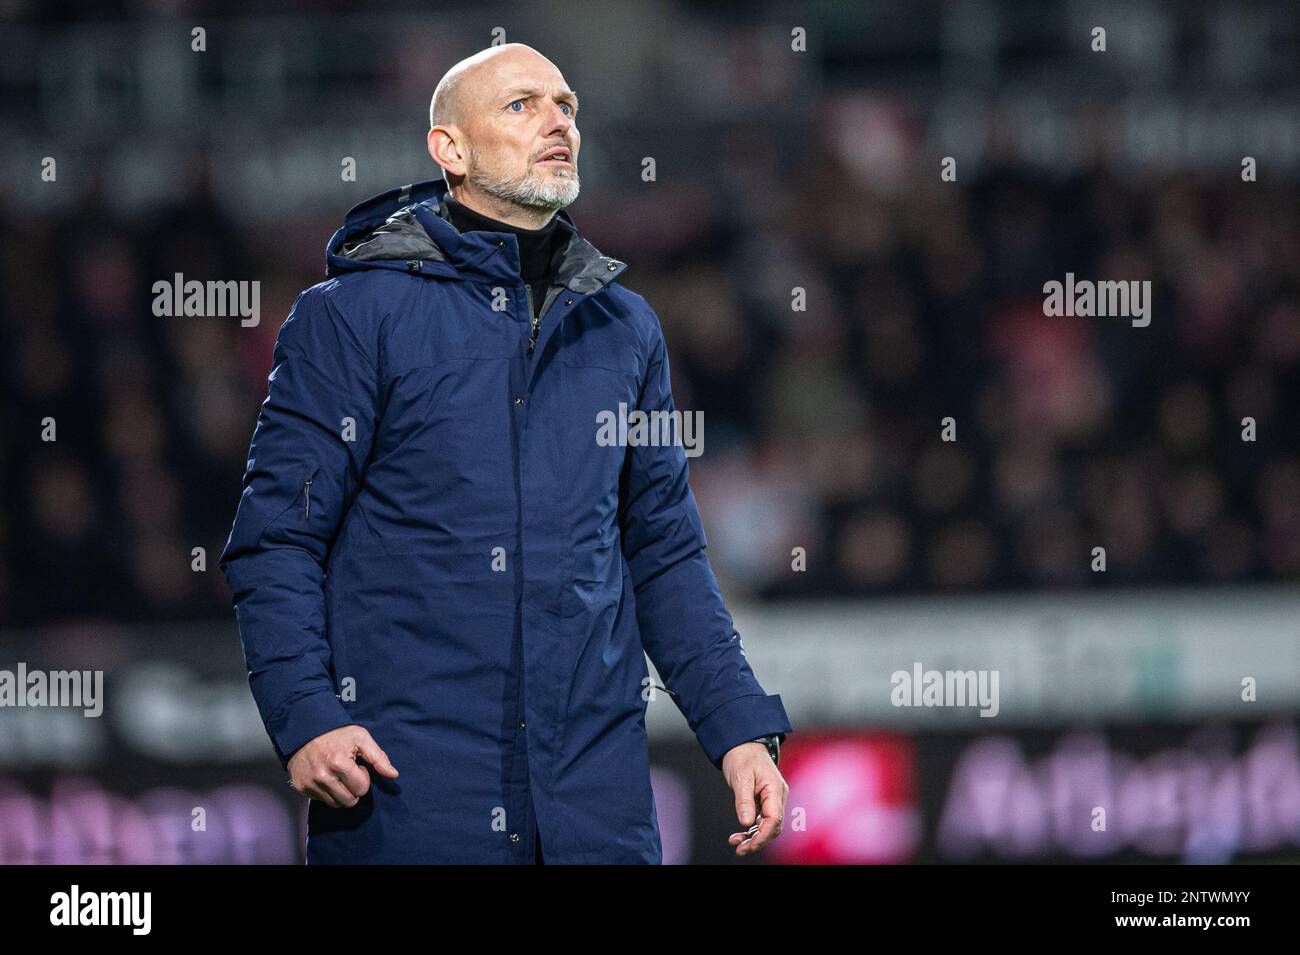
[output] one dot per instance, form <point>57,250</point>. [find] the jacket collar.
<point>408,229</point>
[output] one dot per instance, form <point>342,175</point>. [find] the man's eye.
<point>516,101</point>
<point>570,106</point>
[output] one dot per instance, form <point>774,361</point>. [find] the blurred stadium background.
<point>776,169</point>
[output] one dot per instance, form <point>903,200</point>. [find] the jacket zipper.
<point>551,293</point>
<point>306,490</point>
<point>536,319</point>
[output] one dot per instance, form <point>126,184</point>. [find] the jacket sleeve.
<point>685,627</point>
<point>304,466</point>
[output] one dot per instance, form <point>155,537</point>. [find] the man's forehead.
<point>522,73</point>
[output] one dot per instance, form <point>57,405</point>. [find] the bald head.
<point>463,88</point>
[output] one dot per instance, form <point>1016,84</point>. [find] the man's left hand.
<point>754,779</point>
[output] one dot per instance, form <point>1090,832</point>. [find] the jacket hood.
<point>407,229</point>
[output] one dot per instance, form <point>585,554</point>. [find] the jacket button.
<point>568,301</point>
<point>519,401</point>
<point>521,724</point>
<point>514,837</point>
<point>612,266</point>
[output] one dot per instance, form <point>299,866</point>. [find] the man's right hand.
<point>326,768</point>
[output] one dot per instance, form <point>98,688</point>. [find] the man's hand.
<point>326,768</point>
<point>750,773</point>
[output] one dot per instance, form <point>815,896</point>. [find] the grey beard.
<point>529,190</point>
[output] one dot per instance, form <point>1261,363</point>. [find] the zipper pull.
<point>306,489</point>
<point>532,338</point>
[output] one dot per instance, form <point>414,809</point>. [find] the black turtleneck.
<point>538,248</point>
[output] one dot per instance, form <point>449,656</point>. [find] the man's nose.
<point>559,122</point>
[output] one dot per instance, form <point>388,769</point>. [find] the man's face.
<point>523,112</point>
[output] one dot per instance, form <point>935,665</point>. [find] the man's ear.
<point>444,149</point>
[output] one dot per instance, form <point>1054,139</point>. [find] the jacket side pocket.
<point>339,670</point>
<point>304,506</point>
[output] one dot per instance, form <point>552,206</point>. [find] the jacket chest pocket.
<point>594,397</point>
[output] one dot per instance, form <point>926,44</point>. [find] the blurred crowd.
<point>825,470</point>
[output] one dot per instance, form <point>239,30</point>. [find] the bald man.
<point>446,581</point>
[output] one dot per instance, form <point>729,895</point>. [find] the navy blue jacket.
<point>432,544</point>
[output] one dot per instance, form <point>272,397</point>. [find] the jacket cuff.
<point>739,721</point>
<point>304,719</point>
